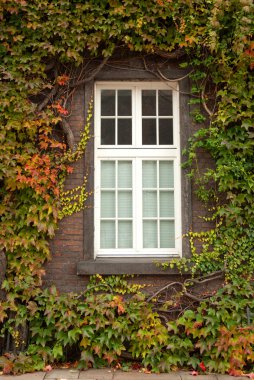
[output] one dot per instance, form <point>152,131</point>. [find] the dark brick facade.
<point>72,246</point>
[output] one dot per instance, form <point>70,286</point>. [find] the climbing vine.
<point>48,48</point>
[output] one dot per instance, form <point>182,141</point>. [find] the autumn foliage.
<point>44,49</point>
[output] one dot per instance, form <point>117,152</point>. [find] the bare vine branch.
<point>201,280</point>
<point>166,287</point>
<point>176,54</point>
<point>46,100</point>
<point>210,277</point>
<point>90,77</point>
<point>68,132</point>
<point>210,113</point>
<point>50,65</point>
<point>172,80</point>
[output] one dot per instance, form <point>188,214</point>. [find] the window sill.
<point>124,266</point>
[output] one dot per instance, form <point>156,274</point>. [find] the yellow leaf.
<point>85,342</point>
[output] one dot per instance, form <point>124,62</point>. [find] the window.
<point>137,170</point>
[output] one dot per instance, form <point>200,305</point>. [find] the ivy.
<point>46,48</point>
<point>98,325</point>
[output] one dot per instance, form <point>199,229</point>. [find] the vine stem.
<point>90,77</point>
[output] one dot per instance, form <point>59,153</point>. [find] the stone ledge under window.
<point>124,266</point>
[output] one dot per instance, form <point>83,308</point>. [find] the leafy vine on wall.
<point>45,50</point>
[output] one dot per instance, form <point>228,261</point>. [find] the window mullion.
<point>139,203</point>
<point>138,117</point>
<point>134,122</point>
<point>134,205</point>
<point>157,118</point>
<point>158,206</point>
<point>116,118</point>
<point>116,203</point>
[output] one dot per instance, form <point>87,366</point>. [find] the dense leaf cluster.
<point>100,325</point>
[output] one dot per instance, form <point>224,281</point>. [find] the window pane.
<point>148,102</point>
<point>124,103</point>
<point>108,103</point>
<point>149,174</point>
<point>125,174</point>
<point>150,234</point>
<point>107,131</point>
<point>166,174</point>
<point>165,103</point>
<point>166,132</point>
<point>167,234</point>
<point>108,234</point>
<point>124,204</point>
<point>149,204</point>
<point>149,132</point>
<point>125,234</point>
<point>120,169</point>
<point>108,204</point>
<point>124,132</point>
<point>107,174</point>
<point>166,204</point>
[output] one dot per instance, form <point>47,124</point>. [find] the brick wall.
<point>68,245</point>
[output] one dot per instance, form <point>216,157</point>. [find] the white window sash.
<point>137,153</point>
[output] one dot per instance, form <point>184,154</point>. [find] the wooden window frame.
<point>88,264</point>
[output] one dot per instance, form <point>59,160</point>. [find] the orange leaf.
<point>235,372</point>
<point>120,309</point>
<point>62,79</point>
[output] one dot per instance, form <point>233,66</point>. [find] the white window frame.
<point>138,153</point>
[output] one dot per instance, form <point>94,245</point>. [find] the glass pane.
<point>167,234</point>
<point>124,132</point>
<point>108,103</point>
<point>108,233</point>
<point>107,131</point>
<point>165,103</point>
<point>166,132</point>
<point>125,174</point>
<point>148,102</point>
<point>166,204</point>
<point>108,174</point>
<point>149,204</point>
<point>166,174</point>
<point>124,204</point>
<point>149,132</point>
<point>108,204</point>
<point>124,103</point>
<point>149,174</point>
<point>125,234</point>
<point>150,234</point>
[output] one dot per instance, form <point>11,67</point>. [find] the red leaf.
<point>235,372</point>
<point>202,366</point>
<point>135,366</point>
<point>8,368</point>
